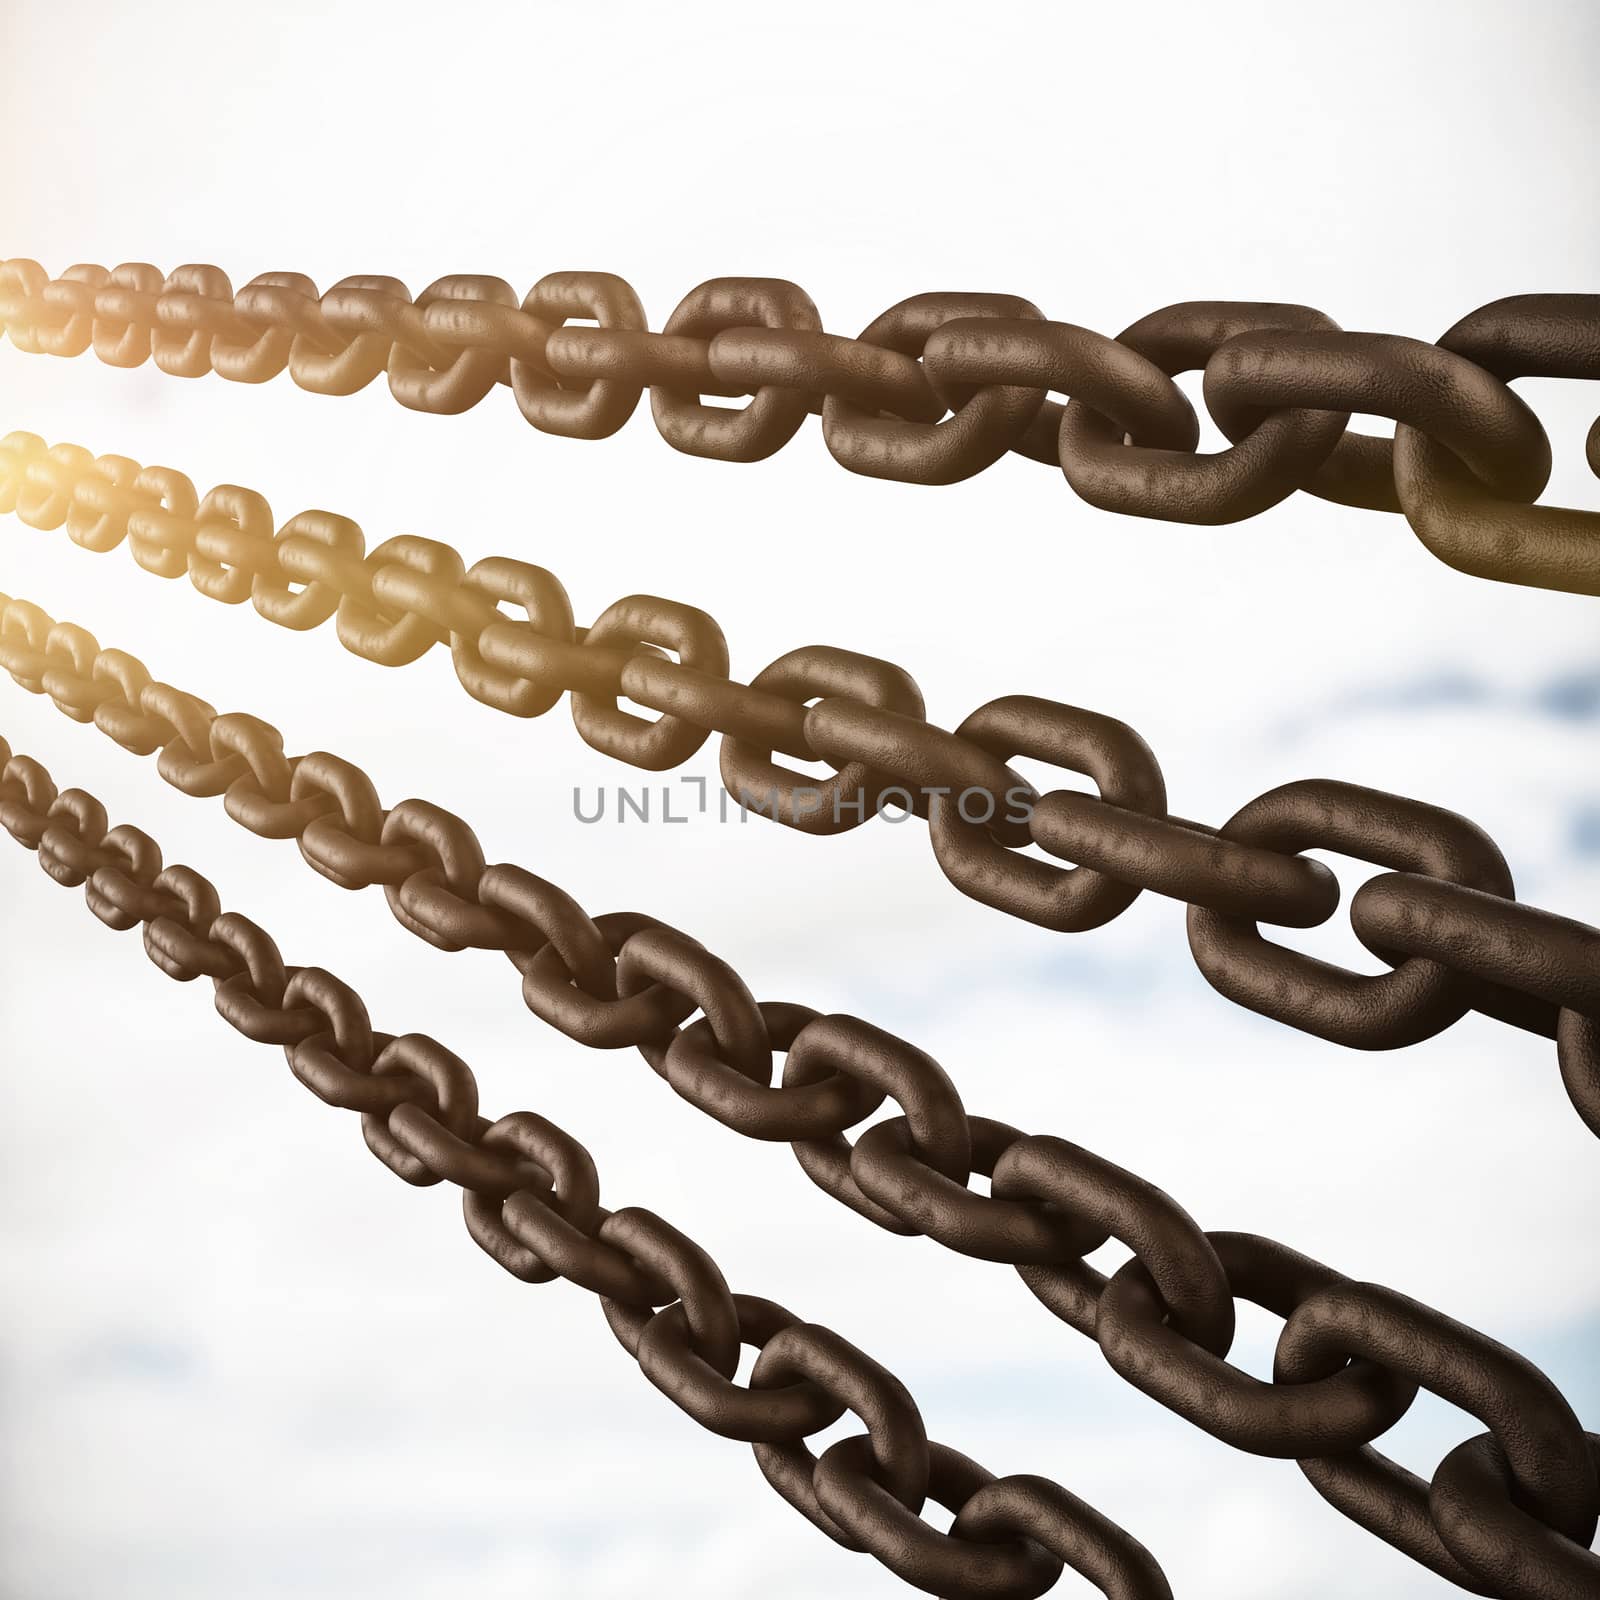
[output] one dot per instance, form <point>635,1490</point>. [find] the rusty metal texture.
<point>1443,915</point>
<point>526,1182</point>
<point>1512,1513</point>
<point>937,388</point>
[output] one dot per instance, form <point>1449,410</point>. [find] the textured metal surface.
<point>937,388</point>
<point>531,1199</point>
<point>1443,914</point>
<point>1351,1356</point>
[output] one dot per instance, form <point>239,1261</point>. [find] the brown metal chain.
<point>531,1201</point>
<point>1444,916</point>
<point>1511,1512</point>
<point>934,390</point>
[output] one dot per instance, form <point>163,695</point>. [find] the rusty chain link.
<point>531,1202</point>
<point>937,388</point>
<point>1443,916</point>
<point>1512,1513</point>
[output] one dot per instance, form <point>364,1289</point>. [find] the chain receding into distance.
<point>1510,1512</point>
<point>1444,915</point>
<point>531,1200</point>
<point>937,388</point>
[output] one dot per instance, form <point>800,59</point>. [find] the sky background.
<point>240,1357</point>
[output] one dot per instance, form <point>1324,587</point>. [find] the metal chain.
<point>531,1201</point>
<point>1444,916</point>
<point>1509,1513</point>
<point>937,388</point>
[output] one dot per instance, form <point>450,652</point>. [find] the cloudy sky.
<point>243,1359</point>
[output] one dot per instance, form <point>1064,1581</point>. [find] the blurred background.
<point>241,1357</point>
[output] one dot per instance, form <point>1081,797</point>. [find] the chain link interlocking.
<point>531,1201</point>
<point>1443,915</point>
<point>1511,1512</point>
<point>934,390</point>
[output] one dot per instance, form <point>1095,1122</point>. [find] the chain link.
<point>1443,915</point>
<point>1351,1356</point>
<point>937,388</point>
